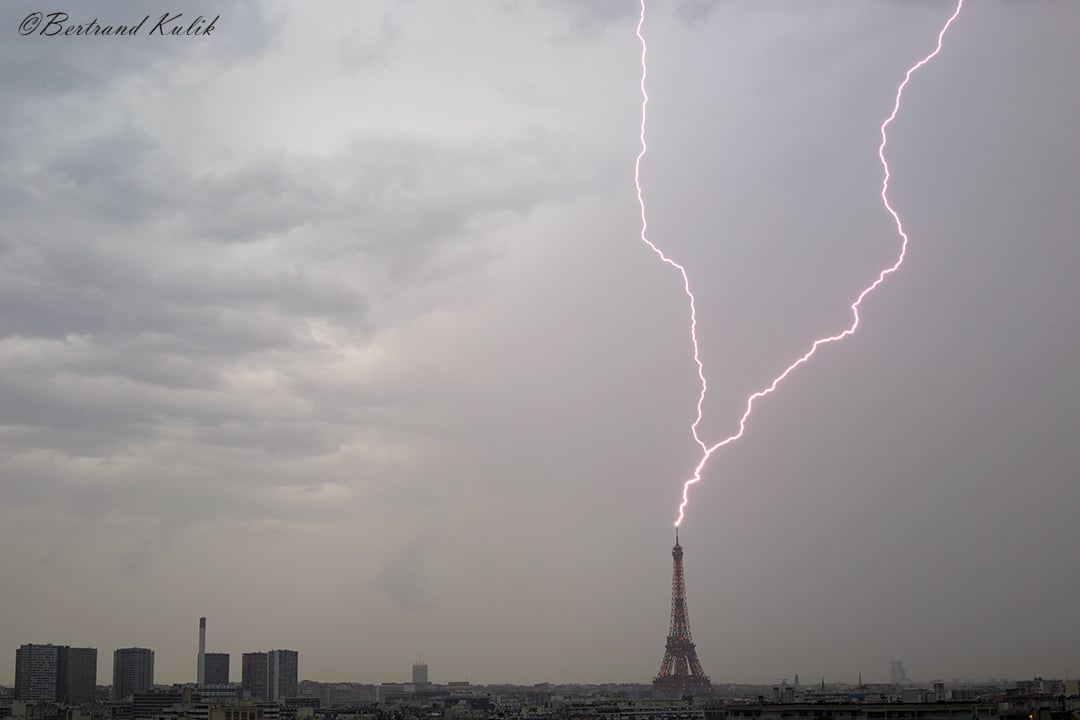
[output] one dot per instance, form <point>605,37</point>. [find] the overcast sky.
<point>335,327</point>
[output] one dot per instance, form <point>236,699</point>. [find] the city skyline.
<point>334,327</point>
<point>419,675</point>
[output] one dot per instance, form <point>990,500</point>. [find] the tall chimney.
<point>202,651</point>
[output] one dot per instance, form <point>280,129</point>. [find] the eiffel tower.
<point>680,672</point>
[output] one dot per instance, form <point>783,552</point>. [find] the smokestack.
<point>202,651</point>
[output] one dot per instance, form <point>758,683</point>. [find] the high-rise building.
<point>270,676</point>
<point>216,669</point>
<point>56,673</point>
<point>680,671</point>
<point>133,671</point>
<point>79,684</point>
<point>281,674</point>
<point>419,674</point>
<point>253,675</point>
<point>37,672</point>
<point>897,674</point>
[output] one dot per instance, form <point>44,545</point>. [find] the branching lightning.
<point>707,449</point>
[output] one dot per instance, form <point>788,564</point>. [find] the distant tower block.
<point>897,674</point>
<point>680,672</point>
<point>133,672</point>
<point>216,668</point>
<point>419,674</point>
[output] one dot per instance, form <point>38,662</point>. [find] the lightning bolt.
<point>709,450</point>
<point>659,252</point>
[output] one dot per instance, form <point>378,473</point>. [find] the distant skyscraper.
<point>79,684</point>
<point>419,674</point>
<point>133,671</point>
<point>216,669</point>
<point>37,672</point>
<point>253,675</point>
<point>56,673</point>
<point>281,674</point>
<point>897,673</point>
<point>270,676</point>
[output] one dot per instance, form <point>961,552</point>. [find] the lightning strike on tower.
<point>709,450</point>
<point>680,670</point>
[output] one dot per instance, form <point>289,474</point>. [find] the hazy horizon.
<point>869,676</point>
<point>335,327</point>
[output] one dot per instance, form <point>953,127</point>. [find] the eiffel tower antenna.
<point>680,672</point>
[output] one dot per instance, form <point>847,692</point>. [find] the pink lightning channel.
<point>708,452</point>
<point>660,253</point>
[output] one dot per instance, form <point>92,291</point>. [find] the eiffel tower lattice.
<point>680,672</point>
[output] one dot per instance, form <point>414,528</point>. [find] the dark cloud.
<point>150,297</point>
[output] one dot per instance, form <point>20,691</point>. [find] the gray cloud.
<point>404,577</point>
<point>136,561</point>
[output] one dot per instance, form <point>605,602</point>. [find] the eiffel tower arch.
<point>680,672</point>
